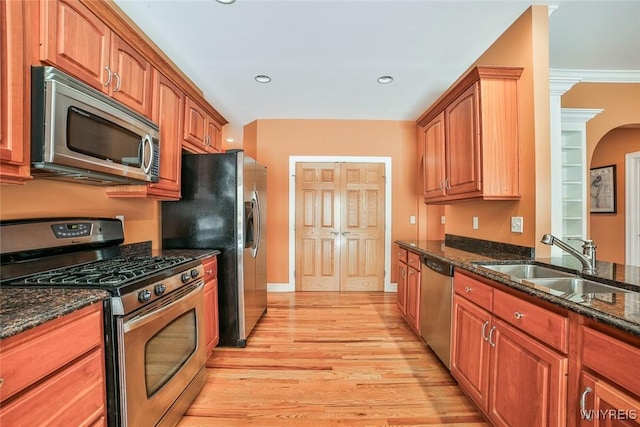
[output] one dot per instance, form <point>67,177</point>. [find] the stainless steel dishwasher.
<point>436,294</point>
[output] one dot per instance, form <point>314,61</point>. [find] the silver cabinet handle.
<point>344,233</point>
<point>209,271</point>
<point>467,289</point>
<point>583,404</point>
<point>484,327</point>
<point>491,331</point>
<point>518,315</point>
<point>1,381</point>
<point>447,184</point>
<point>404,272</point>
<point>335,233</point>
<point>109,75</point>
<point>207,140</point>
<point>117,76</point>
<point>440,184</point>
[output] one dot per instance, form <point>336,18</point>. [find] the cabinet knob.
<point>518,315</point>
<point>467,289</point>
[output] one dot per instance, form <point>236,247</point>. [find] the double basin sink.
<point>560,281</point>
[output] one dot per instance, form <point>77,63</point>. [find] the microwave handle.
<point>146,140</point>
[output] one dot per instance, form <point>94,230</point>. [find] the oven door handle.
<point>151,312</point>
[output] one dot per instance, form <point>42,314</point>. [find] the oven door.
<point>163,355</point>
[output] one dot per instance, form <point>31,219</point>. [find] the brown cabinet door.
<point>463,144</point>
<point>402,288</point>
<point>603,404</point>
<point>214,136</point>
<point>212,335</point>
<point>168,107</point>
<point>195,127</point>
<point>528,380</point>
<point>470,349</point>
<point>14,149</point>
<point>131,79</point>
<point>413,298</point>
<point>434,159</point>
<point>75,40</point>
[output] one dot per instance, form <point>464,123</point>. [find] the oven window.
<point>169,349</point>
<point>96,137</point>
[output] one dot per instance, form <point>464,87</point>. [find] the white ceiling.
<point>324,56</point>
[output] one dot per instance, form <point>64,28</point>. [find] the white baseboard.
<point>391,287</point>
<point>280,287</point>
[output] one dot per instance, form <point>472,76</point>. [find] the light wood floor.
<point>327,359</point>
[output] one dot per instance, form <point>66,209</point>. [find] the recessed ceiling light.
<point>226,1</point>
<point>230,140</point>
<point>261,78</point>
<point>383,80</point>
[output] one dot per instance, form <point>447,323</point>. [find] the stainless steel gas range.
<point>154,319</point>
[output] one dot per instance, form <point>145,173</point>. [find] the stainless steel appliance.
<point>154,320</point>
<point>436,298</point>
<point>79,134</point>
<point>223,207</point>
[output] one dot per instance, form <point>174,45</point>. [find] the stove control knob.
<point>159,289</point>
<point>194,273</point>
<point>185,277</point>
<point>144,295</point>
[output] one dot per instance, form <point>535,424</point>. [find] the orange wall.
<point>280,138</point>
<point>47,198</point>
<point>608,230</point>
<point>523,44</point>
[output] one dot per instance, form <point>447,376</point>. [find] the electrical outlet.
<point>517,224</point>
<point>412,219</point>
<point>475,222</point>
<point>442,219</point>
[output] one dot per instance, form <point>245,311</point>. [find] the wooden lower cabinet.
<point>609,392</point>
<point>54,374</point>
<point>515,379</point>
<point>211,320</point>
<point>402,281</point>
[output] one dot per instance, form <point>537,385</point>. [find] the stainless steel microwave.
<point>82,135</point>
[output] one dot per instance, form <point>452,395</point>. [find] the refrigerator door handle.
<point>257,224</point>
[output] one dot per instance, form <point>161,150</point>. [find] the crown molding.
<point>579,115</point>
<point>596,76</point>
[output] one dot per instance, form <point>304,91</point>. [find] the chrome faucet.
<point>588,256</point>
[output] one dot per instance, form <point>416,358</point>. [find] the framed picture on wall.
<point>602,189</point>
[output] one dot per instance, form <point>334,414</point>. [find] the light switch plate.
<point>517,224</point>
<point>474,222</point>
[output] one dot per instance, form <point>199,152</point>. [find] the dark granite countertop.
<point>621,310</point>
<point>193,253</point>
<point>23,309</point>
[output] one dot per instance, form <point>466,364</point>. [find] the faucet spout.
<point>588,256</point>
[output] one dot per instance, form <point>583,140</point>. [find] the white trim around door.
<point>632,201</point>
<point>292,210</point>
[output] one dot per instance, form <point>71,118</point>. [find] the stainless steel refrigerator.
<point>223,206</point>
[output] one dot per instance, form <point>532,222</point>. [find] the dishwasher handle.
<point>439,266</point>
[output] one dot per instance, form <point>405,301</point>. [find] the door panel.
<point>340,226</point>
<point>317,226</point>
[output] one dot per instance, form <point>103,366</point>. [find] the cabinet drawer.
<point>210,266</point>
<point>545,325</point>
<point>473,290</point>
<point>615,360</point>
<point>72,397</point>
<point>402,255</point>
<point>414,260</point>
<point>32,355</point>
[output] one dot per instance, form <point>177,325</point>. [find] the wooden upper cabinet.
<point>433,162</point>
<point>14,95</point>
<point>473,130</point>
<point>75,40</point>
<point>462,145</point>
<point>202,134</point>
<point>167,110</point>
